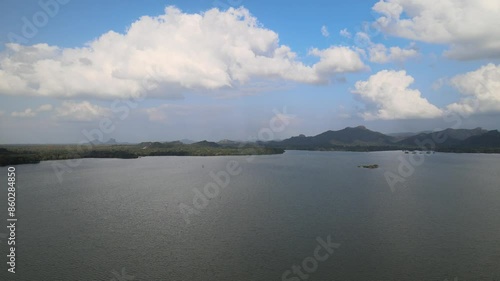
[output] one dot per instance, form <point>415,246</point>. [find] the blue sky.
<point>394,67</point>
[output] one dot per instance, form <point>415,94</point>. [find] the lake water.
<point>113,219</point>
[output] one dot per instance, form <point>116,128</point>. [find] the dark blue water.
<point>114,219</point>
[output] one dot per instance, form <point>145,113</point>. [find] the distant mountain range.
<point>448,137</point>
<point>111,141</point>
<point>362,139</point>
<point>349,139</point>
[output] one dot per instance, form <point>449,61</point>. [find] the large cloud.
<point>469,27</point>
<point>481,90</point>
<point>387,96</point>
<point>165,56</point>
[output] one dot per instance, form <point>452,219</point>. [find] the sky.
<point>149,70</point>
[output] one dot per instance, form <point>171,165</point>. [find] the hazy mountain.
<point>187,141</point>
<point>206,144</point>
<point>111,141</point>
<point>358,136</point>
<point>489,139</point>
<point>229,142</point>
<point>403,135</point>
<point>362,139</point>
<point>448,137</point>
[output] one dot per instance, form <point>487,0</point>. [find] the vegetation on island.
<point>372,166</point>
<point>29,154</point>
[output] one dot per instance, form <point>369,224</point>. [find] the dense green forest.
<point>26,154</point>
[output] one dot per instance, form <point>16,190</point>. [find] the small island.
<point>372,166</point>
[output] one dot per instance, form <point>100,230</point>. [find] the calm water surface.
<point>111,217</point>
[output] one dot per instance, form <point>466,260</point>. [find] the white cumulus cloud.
<point>387,96</point>
<point>166,112</point>
<point>81,111</point>
<point>166,56</point>
<point>468,27</point>
<point>379,53</point>
<point>336,60</point>
<point>44,107</point>
<point>324,31</point>
<point>480,90</point>
<point>28,112</point>
<point>345,33</point>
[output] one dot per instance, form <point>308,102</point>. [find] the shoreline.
<point>4,163</point>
